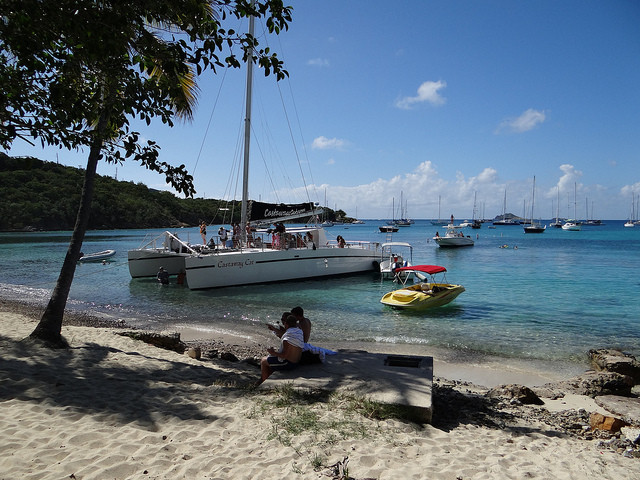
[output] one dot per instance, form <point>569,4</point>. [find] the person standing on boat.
<point>203,232</point>
<point>222,234</point>
<point>236,234</point>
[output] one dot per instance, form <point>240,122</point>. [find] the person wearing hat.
<point>163,276</point>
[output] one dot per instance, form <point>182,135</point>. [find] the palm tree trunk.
<point>49,329</point>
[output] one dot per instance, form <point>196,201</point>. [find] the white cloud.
<point>324,143</point>
<point>420,188</point>
<point>331,161</point>
<point>318,62</point>
<point>525,122</point>
<point>626,190</point>
<point>567,182</point>
<point>427,92</point>
<point>488,175</point>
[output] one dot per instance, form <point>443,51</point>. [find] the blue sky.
<point>426,99</point>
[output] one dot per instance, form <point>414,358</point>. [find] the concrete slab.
<point>405,380</point>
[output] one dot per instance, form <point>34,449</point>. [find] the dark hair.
<point>291,321</point>
<point>297,311</point>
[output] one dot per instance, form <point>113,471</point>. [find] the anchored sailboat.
<point>534,227</point>
<point>274,256</point>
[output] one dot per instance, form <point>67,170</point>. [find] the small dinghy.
<point>96,257</point>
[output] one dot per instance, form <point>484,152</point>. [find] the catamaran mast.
<point>247,139</point>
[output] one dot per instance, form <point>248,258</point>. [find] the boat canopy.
<point>428,269</point>
<point>396,244</point>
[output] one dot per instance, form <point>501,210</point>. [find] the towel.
<point>321,352</point>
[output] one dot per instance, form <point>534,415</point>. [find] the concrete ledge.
<point>404,380</point>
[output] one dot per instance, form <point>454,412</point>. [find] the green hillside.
<point>45,195</point>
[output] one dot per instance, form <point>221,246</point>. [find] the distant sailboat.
<point>477,223</point>
<point>503,220</point>
<point>630,222</point>
<point>573,224</point>
<point>403,221</point>
<point>439,222</point>
<point>534,227</point>
<point>557,223</point>
<point>590,221</point>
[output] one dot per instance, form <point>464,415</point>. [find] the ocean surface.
<point>554,297</point>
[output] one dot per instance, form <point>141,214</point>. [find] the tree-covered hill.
<point>44,195</point>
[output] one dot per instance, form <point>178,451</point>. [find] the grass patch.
<point>311,421</point>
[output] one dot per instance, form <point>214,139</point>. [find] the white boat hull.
<point>146,262</point>
<point>453,238</point>
<point>571,226</point>
<point>97,257</point>
<point>251,266</point>
<point>454,242</point>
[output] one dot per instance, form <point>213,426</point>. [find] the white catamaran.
<point>279,254</point>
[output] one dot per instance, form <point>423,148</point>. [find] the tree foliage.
<point>64,63</point>
<point>74,73</point>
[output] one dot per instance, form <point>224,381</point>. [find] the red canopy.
<point>428,269</point>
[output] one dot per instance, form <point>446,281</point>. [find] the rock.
<point>593,384</point>
<point>517,393</point>
<point>627,408</point>
<point>631,433</point>
<point>195,352</point>
<point>597,421</point>
<point>607,360</point>
<point>168,341</point>
<point>228,356</point>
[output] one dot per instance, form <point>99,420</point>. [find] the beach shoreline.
<point>114,407</point>
<point>485,370</point>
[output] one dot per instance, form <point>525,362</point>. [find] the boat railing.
<point>166,241</point>
<point>361,244</point>
<point>271,241</point>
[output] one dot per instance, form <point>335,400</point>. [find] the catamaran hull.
<point>146,262</point>
<point>258,266</point>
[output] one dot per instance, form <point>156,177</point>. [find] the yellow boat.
<point>422,295</point>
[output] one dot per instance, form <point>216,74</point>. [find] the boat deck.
<point>404,380</point>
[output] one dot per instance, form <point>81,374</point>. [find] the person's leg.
<point>265,369</point>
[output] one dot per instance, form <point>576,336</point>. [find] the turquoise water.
<point>554,297</point>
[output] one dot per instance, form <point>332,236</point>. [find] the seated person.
<point>278,330</point>
<point>288,356</point>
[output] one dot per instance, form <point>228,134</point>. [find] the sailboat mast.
<point>533,198</point>
<point>247,138</point>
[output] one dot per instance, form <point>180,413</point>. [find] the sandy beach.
<point>112,407</point>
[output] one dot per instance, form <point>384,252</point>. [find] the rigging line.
<point>304,144</point>
<point>304,182</point>
<point>206,132</point>
<point>264,161</point>
<point>295,148</point>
